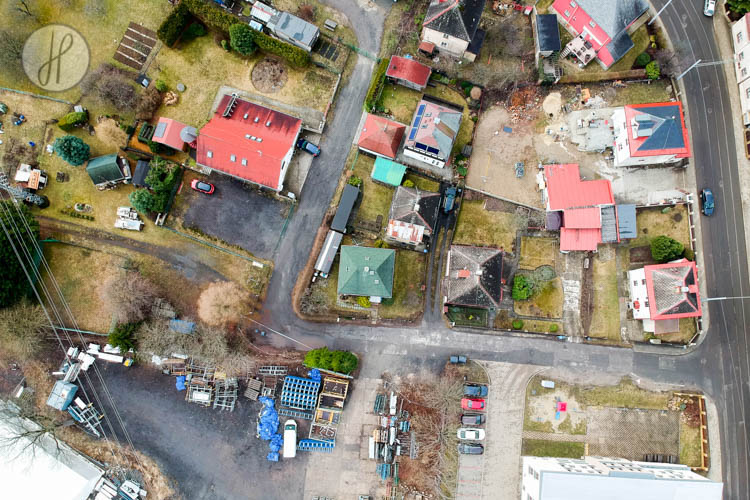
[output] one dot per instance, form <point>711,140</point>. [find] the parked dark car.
<point>707,202</point>
<point>475,390</point>
<point>470,448</point>
<point>450,199</point>
<point>472,419</point>
<point>308,147</point>
<point>202,187</point>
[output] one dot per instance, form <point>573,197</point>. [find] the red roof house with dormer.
<point>249,142</point>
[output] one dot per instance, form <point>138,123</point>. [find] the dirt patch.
<point>270,75</point>
<point>641,255</point>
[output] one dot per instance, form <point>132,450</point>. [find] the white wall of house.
<point>285,164</point>
<point>424,158</point>
<point>740,34</point>
<point>621,148</point>
<point>745,101</point>
<point>445,44</point>
<point>639,293</point>
<point>742,64</point>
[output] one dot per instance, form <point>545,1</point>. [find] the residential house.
<point>380,136</point>
<point>408,72</point>
<point>249,142</point>
<point>474,277</point>
<point>601,29</point>
<point>546,44</point>
<point>650,134</point>
<point>433,131</point>
<point>173,134</point>
<point>413,216</point>
<point>583,211</point>
<point>597,478</point>
<point>366,271</point>
<point>292,29</point>
<point>108,171</point>
<point>36,465</point>
<point>387,172</point>
<point>452,26</point>
<point>741,41</point>
<point>662,294</point>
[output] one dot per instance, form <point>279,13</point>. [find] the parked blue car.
<point>707,202</point>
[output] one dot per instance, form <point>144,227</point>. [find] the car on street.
<point>469,434</point>
<point>470,448</point>
<point>202,187</point>
<point>475,390</point>
<point>707,202</point>
<point>473,419</point>
<point>308,147</point>
<point>473,404</point>
<point>709,7</point>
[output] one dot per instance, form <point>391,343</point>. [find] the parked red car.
<point>473,404</point>
<point>202,187</point>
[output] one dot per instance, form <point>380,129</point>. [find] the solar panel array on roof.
<point>160,129</point>
<point>417,120</point>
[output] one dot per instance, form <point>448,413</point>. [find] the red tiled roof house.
<point>250,142</point>
<point>380,136</point>
<point>408,72</point>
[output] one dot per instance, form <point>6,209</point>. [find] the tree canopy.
<point>337,361</point>
<point>13,282</point>
<point>72,149</point>
<point>241,38</point>
<point>664,249</point>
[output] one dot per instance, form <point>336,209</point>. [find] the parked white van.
<point>290,438</point>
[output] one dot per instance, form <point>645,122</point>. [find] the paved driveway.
<point>238,214</point>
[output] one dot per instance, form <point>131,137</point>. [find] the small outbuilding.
<point>388,172</point>
<point>408,72</point>
<point>142,168</point>
<point>168,132</point>
<point>344,211</point>
<point>108,170</point>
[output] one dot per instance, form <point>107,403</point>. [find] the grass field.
<point>605,320</point>
<point>685,335</point>
<point>562,449</point>
<point>423,183</point>
<point>408,279</point>
<point>376,198</point>
<point>546,303</point>
<point>537,252</point>
<point>652,222</point>
<point>623,395</point>
<point>690,445</point>
<point>477,226</point>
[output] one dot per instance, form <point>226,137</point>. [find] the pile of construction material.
<point>392,438</point>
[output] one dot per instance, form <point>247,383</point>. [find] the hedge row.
<point>174,24</point>
<point>214,17</point>
<point>73,119</point>
<point>376,85</point>
<point>73,213</point>
<point>296,56</point>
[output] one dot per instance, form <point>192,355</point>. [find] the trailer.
<point>132,225</point>
<point>127,213</point>
<point>328,253</point>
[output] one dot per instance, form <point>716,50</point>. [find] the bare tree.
<point>206,343</point>
<point>22,331</point>
<point>27,430</point>
<point>669,62</point>
<point>129,296</point>
<point>117,91</point>
<point>148,102</point>
<point>111,132</point>
<point>222,303</point>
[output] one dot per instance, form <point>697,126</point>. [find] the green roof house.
<point>366,271</point>
<point>387,171</point>
<point>108,170</point>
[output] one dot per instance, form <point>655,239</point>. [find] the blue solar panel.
<point>421,109</point>
<point>419,145</point>
<point>433,150</point>
<point>413,133</point>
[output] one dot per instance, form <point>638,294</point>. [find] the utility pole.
<point>741,297</point>
<point>699,64</point>
<point>659,13</point>
<point>21,194</point>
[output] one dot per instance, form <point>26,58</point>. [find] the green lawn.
<point>423,183</point>
<point>376,198</point>
<point>477,226</point>
<point>562,449</point>
<point>408,280</point>
<point>690,445</point>
<point>546,303</point>
<point>399,101</point>
<point>605,314</point>
<point>641,93</point>
<point>466,316</point>
<point>624,395</point>
<point>685,335</point>
<point>653,222</point>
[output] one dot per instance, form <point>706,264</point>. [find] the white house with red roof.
<point>433,131</point>
<point>601,28</point>
<point>248,141</point>
<point>408,72</point>
<point>650,134</point>
<point>583,211</point>
<point>741,41</point>
<point>662,294</point>
<point>380,136</point>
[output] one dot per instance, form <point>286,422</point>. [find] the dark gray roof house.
<point>547,34</point>
<point>475,276</point>
<point>415,206</point>
<point>142,168</point>
<point>459,18</point>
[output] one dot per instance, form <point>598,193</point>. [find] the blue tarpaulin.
<point>314,374</point>
<point>180,383</point>
<point>268,425</point>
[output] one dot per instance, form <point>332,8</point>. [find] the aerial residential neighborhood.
<point>374,250</point>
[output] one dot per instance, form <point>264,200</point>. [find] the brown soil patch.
<point>641,255</point>
<point>270,75</point>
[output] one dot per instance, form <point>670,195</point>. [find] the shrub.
<point>517,324</point>
<point>241,39</point>
<point>72,120</point>
<point>117,91</point>
<point>306,12</point>
<point>522,288</point>
<point>652,70</point>
<point>553,328</point>
<point>364,302</point>
<point>155,147</point>
<point>689,254</point>
<point>193,31</point>
<point>129,296</point>
<point>664,249</point>
<point>173,25</point>
<point>161,86</point>
<point>294,55</point>
<point>376,85</point>
<point>72,149</point>
<point>381,244</point>
<point>211,15</point>
<point>225,45</point>
<point>123,336</point>
<point>355,181</point>
<point>142,200</point>
<point>408,183</point>
<point>148,103</point>
<point>642,60</point>
<point>338,361</point>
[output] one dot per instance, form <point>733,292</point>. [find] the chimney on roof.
<point>256,120</point>
<point>268,123</point>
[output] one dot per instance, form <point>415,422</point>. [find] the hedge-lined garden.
<point>376,85</point>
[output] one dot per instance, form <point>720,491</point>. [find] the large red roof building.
<point>249,142</point>
<point>381,136</point>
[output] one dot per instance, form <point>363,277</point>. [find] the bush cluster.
<point>364,301</point>
<point>294,55</point>
<point>408,183</point>
<point>642,60</point>
<point>173,25</point>
<point>376,85</point>
<point>664,249</point>
<point>161,178</point>
<point>214,17</point>
<point>72,120</point>
<point>653,71</point>
<point>522,288</point>
<point>517,324</point>
<point>355,181</point>
<point>338,361</point>
<point>77,215</point>
<point>241,39</point>
<point>123,336</point>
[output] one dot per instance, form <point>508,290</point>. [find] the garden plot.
<point>536,252</point>
<point>479,226</point>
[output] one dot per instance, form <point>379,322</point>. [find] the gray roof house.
<point>474,276</point>
<point>294,30</point>
<point>433,131</point>
<point>415,206</point>
<point>453,26</point>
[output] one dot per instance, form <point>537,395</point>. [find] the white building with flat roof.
<point>741,42</point>
<point>600,478</point>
